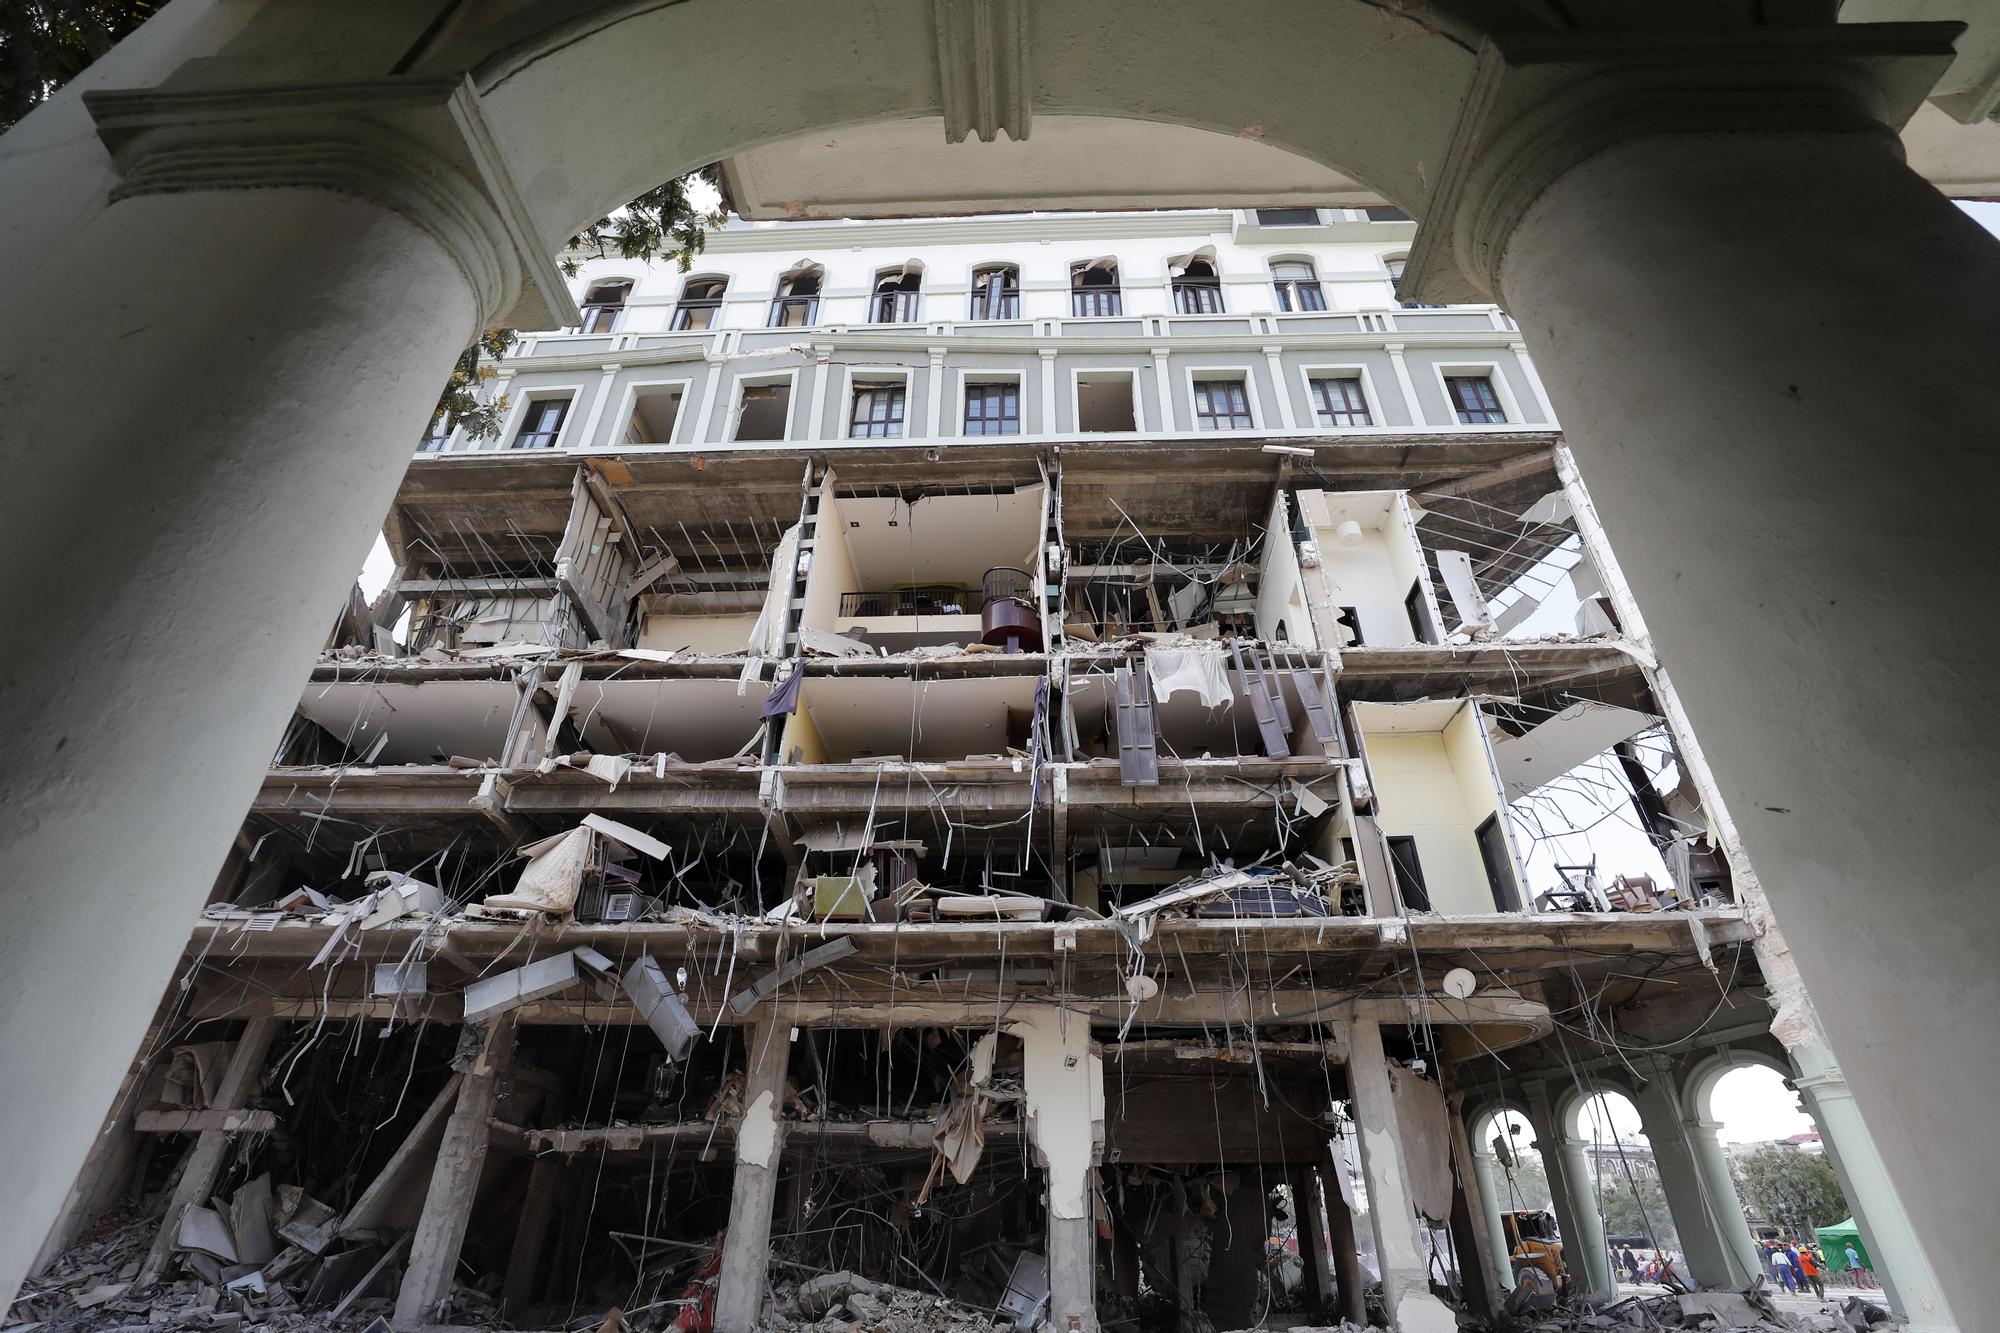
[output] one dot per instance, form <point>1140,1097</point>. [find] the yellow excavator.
<point>1535,1252</point>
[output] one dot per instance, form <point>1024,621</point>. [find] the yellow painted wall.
<point>1419,795</point>
<point>705,634</point>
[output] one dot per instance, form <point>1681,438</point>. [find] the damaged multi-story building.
<point>991,755</point>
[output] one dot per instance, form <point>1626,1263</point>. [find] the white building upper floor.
<point>1043,326</point>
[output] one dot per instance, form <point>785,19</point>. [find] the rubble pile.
<point>1748,1311</point>
<point>849,1301</point>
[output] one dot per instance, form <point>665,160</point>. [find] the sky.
<point>1751,1104</point>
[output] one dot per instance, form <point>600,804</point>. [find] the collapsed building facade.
<point>1002,756</point>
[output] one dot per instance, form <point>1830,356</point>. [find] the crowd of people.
<point>1790,1265</point>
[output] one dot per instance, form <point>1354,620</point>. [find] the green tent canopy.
<point>1834,1240</point>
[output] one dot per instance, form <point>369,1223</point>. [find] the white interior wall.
<point>1281,591</point>
<point>1366,576</point>
<point>1472,765</point>
<point>832,574</point>
<point>726,632</point>
<point>1419,794</point>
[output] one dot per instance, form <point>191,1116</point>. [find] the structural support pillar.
<point>1310,1220</point>
<point>1399,1254</point>
<point>1719,1188</point>
<point>1802,530</point>
<point>1349,1293</point>
<point>1493,1202</point>
<point>1699,1216</point>
<point>207,446</point>
<point>760,1148</point>
<point>1473,1233</point>
<point>1063,1082</point>
<point>1574,1195</point>
<point>1901,1265</point>
<point>454,1187</point>
<point>205,1158</point>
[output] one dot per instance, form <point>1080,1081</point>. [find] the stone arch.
<point>591,109</point>
<point>1699,1082</point>
<point>1572,1099</point>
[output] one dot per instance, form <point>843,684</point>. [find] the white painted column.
<point>1062,1078</point>
<point>1719,1185</point>
<point>1782,405</point>
<point>1492,1202</point>
<point>199,454</point>
<point>1698,1214</point>
<point>1287,416</point>
<point>1901,1265</point>
<point>1051,416</point>
<point>1574,1195</point>
<point>822,373</point>
<point>599,402</point>
<point>1163,384</point>
<point>934,390</point>
<point>1406,384</point>
<point>1399,1253</point>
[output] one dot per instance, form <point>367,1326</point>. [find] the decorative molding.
<point>1542,104</point>
<point>983,50</point>
<point>419,147</point>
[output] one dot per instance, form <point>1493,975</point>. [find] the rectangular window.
<point>1104,403</point>
<point>1474,399</point>
<point>438,436</point>
<point>654,412</point>
<point>993,409</point>
<point>1338,401</point>
<point>766,412</point>
<point>1383,213</point>
<point>1499,866</point>
<point>1409,870</point>
<point>1288,217</point>
<point>1221,405</point>
<point>543,423</point>
<point>878,412</point>
<point>1198,298</point>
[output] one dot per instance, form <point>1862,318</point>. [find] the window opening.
<point>1384,213</point>
<point>878,411</point>
<point>1288,217</point>
<point>1221,405</point>
<point>765,413</point>
<point>1499,870</point>
<point>1104,404</point>
<point>603,305</point>
<point>654,412</point>
<point>797,303</point>
<point>542,424</point>
<point>701,299</point>
<point>1093,289</point>
<point>993,409</point>
<point>996,292</point>
<point>1475,400</point>
<point>1338,401</point>
<point>897,291</point>
<point>1198,289</point>
<point>1297,286</point>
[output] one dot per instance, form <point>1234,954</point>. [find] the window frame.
<point>1177,284</point>
<point>517,420</point>
<point>590,309</point>
<point>904,301</point>
<point>1348,371</point>
<point>1310,283</point>
<point>1131,375</point>
<point>974,305</point>
<point>713,304</point>
<point>1243,375</point>
<point>780,300</point>
<point>971,379</point>
<point>1446,371</point>
<point>898,389</point>
<point>757,380</point>
<point>1114,294</point>
<point>628,403</point>
<point>1317,219</point>
<point>1416,859</point>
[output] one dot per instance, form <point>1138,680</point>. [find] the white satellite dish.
<point>1459,983</point>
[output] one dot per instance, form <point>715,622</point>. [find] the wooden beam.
<point>204,1121</point>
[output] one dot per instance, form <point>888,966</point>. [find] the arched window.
<point>603,304</point>
<point>701,299</point>
<point>797,303</point>
<point>1197,287</point>
<point>896,295</point>
<point>996,292</point>
<point>1297,285</point>
<point>1395,264</point>
<point>1093,288</point>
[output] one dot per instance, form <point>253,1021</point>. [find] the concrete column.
<point>524,1262</point>
<point>1476,1231</point>
<point>211,1147</point>
<point>1783,408</point>
<point>1310,1218</point>
<point>1493,1201</point>
<point>1901,1264</point>
<point>461,1159</point>
<point>1698,1214</point>
<point>1236,1257</point>
<point>1399,1253</point>
<point>760,1146</point>
<point>1719,1186</point>
<point>1350,1295</point>
<point>199,450</point>
<point>1063,1082</point>
<point>1574,1195</point>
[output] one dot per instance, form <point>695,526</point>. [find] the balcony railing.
<point>938,601</point>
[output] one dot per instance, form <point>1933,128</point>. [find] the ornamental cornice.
<point>419,147</point>
<point>1542,104</point>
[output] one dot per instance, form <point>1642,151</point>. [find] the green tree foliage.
<point>1636,1207</point>
<point>1797,1190</point>
<point>1524,1185</point>
<point>46,43</point>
